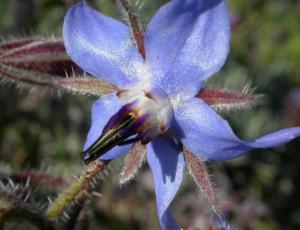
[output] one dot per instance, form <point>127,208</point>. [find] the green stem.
<point>76,191</point>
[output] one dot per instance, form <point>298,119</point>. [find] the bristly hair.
<point>198,171</point>
<point>130,16</point>
<point>133,162</point>
<point>78,192</point>
<point>228,100</point>
<point>20,204</point>
<point>42,62</point>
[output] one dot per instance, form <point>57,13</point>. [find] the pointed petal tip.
<point>167,166</point>
<point>196,38</point>
<point>211,138</point>
<point>100,45</point>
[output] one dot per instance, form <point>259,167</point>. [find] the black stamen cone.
<point>109,139</point>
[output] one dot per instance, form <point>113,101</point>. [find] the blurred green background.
<point>258,191</point>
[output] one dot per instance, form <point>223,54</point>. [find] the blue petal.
<point>186,42</point>
<point>167,165</point>
<point>102,111</point>
<point>100,45</point>
<point>210,137</point>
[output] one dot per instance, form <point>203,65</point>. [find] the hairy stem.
<point>76,191</point>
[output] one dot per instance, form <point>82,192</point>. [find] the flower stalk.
<point>76,191</point>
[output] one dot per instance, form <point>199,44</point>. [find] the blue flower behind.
<point>186,42</point>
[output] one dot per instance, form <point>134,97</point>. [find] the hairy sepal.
<point>133,162</point>
<point>227,100</point>
<point>43,63</point>
<point>130,16</point>
<point>198,171</point>
<point>85,86</point>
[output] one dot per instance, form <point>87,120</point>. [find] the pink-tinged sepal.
<point>8,45</point>
<point>41,55</point>
<point>35,62</point>
<point>37,46</point>
<point>43,62</point>
<point>84,86</point>
<point>133,162</point>
<point>198,171</point>
<point>224,99</point>
<point>136,29</point>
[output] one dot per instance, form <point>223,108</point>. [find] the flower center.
<point>145,115</point>
<point>154,106</point>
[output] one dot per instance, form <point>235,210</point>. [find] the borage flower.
<point>155,111</point>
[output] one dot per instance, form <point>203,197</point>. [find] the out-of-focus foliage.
<point>260,191</point>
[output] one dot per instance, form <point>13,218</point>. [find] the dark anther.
<point>109,139</point>
<point>122,128</point>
